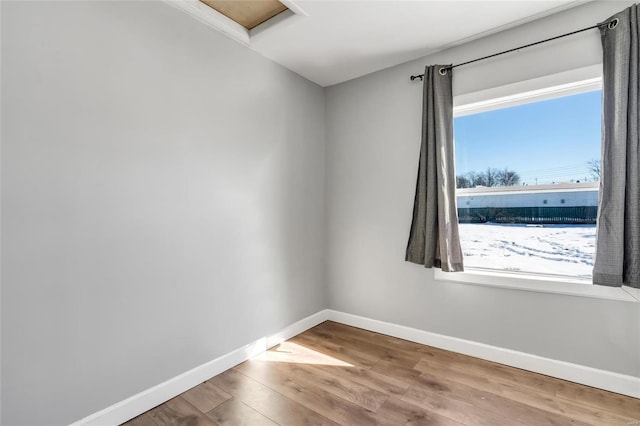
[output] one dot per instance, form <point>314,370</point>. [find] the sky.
<point>544,142</point>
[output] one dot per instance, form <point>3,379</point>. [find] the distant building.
<point>562,203</point>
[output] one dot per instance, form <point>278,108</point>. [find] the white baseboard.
<point>144,401</point>
<point>137,404</point>
<point>602,379</point>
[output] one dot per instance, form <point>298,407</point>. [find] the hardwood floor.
<point>336,374</point>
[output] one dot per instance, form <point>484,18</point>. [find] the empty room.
<point>317,212</point>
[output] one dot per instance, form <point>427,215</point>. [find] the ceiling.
<point>340,40</point>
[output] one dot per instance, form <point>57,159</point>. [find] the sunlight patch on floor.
<point>297,354</point>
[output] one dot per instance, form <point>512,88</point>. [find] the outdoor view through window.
<point>527,179</point>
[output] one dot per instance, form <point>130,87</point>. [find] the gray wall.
<point>162,202</point>
<point>373,140</point>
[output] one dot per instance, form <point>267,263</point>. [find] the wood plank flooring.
<point>334,374</point>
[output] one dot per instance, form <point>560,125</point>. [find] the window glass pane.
<point>527,179</point>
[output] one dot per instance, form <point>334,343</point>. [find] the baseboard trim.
<point>137,404</point>
<point>602,379</point>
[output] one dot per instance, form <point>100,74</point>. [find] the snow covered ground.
<point>547,249</point>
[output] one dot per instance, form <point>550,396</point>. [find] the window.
<point>527,179</point>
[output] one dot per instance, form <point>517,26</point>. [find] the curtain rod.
<point>611,24</point>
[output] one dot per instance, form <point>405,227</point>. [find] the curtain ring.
<point>613,24</point>
<point>442,71</point>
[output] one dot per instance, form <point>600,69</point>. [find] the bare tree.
<point>463,181</point>
<point>493,177</point>
<point>477,179</point>
<point>508,177</point>
<point>594,168</point>
<point>490,177</point>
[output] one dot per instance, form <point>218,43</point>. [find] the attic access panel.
<point>248,13</point>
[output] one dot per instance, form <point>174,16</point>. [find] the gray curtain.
<point>618,243</point>
<point>434,239</point>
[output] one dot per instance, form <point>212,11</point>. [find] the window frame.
<point>552,86</point>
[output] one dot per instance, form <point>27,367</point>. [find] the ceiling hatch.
<point>248,13</point>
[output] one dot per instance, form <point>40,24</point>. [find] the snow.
<point>543,249</point>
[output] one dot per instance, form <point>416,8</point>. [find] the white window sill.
<point>539,283</point>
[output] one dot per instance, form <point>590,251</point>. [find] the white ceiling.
<point>341,40</point>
